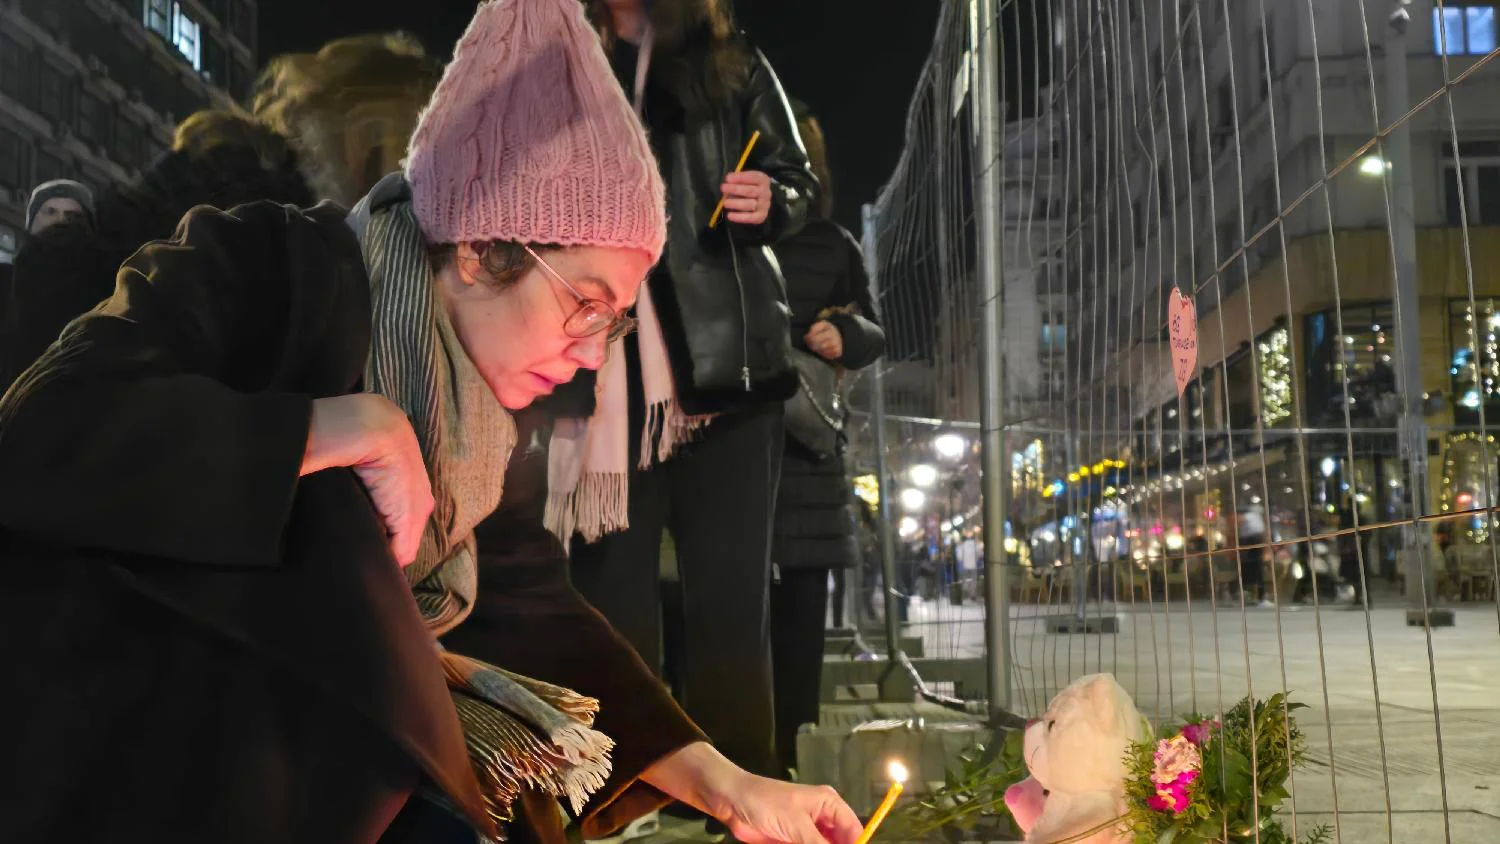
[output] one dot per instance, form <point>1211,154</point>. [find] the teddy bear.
<point>1075,754</point>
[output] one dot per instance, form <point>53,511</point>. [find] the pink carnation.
<point>1174,757</point>
<point>1173,796</point>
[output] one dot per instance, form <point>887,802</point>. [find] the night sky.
<point>854,62</point>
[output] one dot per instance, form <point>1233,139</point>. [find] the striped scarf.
<point>520,732</point>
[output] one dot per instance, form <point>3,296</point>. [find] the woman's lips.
<point>542,383</point>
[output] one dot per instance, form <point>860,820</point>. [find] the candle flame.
<point>897,772</point>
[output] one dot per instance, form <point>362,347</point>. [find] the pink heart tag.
<point>1182,330</point>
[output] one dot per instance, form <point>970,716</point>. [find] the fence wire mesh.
<point>1321,180</point>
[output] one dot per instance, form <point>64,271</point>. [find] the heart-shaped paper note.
<point>1182,332</point>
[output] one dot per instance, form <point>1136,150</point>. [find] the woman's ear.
<point>466,262</point>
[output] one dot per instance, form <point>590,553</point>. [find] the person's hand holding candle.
<point>757,810</point>
<point>747,197</point>
<point>745,194</point>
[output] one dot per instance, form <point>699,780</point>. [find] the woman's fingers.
<point>745,189</point>
<point>371,435</point>
<point>738,203</point>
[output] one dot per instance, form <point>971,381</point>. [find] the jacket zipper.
<point>740,283</point>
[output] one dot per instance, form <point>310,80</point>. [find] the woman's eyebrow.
<point>596,288</point>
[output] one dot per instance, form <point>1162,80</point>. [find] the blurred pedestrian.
<point>1250,539</point>
<point>220,158</point>
<point>59,202</point>
<point>833,331</point>
<point>1349,558</point>
<point>349,108</point>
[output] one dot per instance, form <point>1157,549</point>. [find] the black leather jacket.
<point>720,293</point>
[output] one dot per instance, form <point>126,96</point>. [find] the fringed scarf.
<point>588,462</point>
<point>520,732</point>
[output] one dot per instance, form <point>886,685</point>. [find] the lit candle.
<point>897,772</point>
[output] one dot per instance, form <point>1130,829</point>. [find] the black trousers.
<point>1349,570</point>
<point>717,496</point>
<point>799,603</point>
<point>1253,572</point>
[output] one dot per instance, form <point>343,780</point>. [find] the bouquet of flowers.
<point>1212,782</point>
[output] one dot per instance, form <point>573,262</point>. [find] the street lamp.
<point>913,499</point>
<point>924,475</point>
<point>950,446</point>
<point>1374,165</point>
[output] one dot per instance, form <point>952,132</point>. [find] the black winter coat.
<point>824,268</point>
<point>719,291</point>
<point>200,646</point>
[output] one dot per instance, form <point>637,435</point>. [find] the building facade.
<point>1236,115</point>
<point>92,89</point>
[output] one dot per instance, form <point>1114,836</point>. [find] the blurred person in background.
<point>1349,557</point>
<point>349,108</point>
<point>59,202</point>
<point>1250,538</point>
<point>833,330</point>
<point>705,439</point>
<point>220,158</point>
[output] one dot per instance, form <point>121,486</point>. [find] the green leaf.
<point>1168,836</point>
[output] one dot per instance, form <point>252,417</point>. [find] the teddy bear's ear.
<point>1103,695</point>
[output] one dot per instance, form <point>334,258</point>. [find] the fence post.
<point>1416,546</point>
<point>995,463</point>
<point>894,685</point>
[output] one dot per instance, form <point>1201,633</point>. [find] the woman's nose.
<point>590,352</point>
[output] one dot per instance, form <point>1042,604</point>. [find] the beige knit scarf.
<point>588,461</point>
<point>520,732</point>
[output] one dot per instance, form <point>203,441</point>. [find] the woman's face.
<point>515,335</point>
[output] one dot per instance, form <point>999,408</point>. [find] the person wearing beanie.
<point>59,201</point>
<point>240,497</point>
<point>219,157</point>
<point>704,92</point>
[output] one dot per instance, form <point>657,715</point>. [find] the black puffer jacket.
<point>824,268</point>
<point>720,291</point>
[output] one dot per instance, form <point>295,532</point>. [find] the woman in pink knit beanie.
<point>239,497</point>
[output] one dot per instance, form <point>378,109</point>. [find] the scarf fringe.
<point>666,429</point>
<point>508,750</point>
<point>509,756</point>
<point>598,505</point>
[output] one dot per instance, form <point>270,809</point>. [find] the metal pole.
<point>995,462</point>
<point>882,476</point>
<point>1416,547</point>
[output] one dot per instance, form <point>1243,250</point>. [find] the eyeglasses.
<point>593,315</point>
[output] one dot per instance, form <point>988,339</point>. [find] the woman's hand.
<point>824,340</point>
<point>371,435</point>
<point>767,811</point>
<point>757,810</point>
<point>747,197</point>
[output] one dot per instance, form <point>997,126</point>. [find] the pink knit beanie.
<point>529,138</point>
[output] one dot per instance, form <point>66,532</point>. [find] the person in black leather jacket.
<point>703,90</point>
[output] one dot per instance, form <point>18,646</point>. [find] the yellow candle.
<point>713,221</point>
<point>898,782</point>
